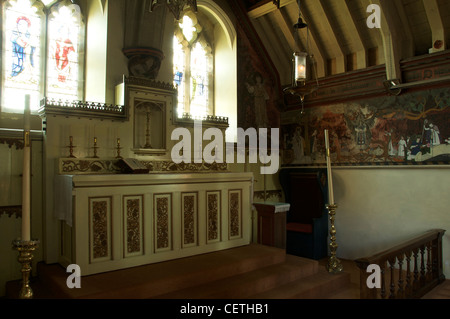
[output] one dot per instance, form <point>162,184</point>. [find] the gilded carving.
<point>18,143</point>
<point>213,216</point>
<point>89,166</point>
<point>133,225</point>
<point>100,229</point>
<point>162,222</point>
<point>189,219</point>
<point>234,211</point>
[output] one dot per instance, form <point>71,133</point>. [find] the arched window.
<point>193,68</point>
<point>29,27</point>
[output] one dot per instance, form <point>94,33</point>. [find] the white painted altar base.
<point>125,220</point>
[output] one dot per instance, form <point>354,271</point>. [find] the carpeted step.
<point>165,277</point>
<point>317,286</point>
<point>250,283</point>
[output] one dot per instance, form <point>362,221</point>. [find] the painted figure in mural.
<point>391,151</point>
<point>314,143</point>
<point>63,48</point>
<point>23,50</point>
<point>337,145</point>
<point>298,144</point>
<point>415,148</point>
<point>432,134</point>
<point>401,147</point>
<point>260,101</point>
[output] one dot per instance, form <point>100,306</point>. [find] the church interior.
<point>138,133</point>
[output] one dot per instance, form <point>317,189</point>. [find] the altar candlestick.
<point>330,180</point>
<point>26,174</point>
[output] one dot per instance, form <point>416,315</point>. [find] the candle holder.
<point>25,249</point>
<point>71,146</point>
<point>334,264</point>
<point>95,147</point>
<point>118,148</point>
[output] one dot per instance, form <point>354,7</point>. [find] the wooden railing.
<point>408,270</point>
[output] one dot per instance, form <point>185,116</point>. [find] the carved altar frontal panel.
<point>213,216</point>
<point>100,228</point>
<point>235,214</point>
<point>162,210</point>
<point>132,229</point>
<point>189,206</point>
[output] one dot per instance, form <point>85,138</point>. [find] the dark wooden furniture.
<point>305,190</point>
<point>272,223</point>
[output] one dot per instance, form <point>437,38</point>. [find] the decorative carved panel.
<point>213,214</point>
<point>235,213</point>
<point>100,228</point>
<point>163,222</point>
<point>189,219</point>
<point>132,220</point>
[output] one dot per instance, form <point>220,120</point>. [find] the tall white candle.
<point>26,174</point>
<point>330,179</point>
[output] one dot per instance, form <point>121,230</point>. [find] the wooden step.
<point>162,278</point>
<point>250,283</point>
<point>321,285</point>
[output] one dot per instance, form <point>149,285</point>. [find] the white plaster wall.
<point>381,207</point>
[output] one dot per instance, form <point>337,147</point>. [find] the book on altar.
<point>133,166</point>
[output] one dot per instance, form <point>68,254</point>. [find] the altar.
<point>104,216</point>
<point>125,220</point>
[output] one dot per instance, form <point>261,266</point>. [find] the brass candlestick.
<point>71,146</point>
<point>334,265</point>
<point>95,147</point>
<point>118,148</point>
<point>25,249</point>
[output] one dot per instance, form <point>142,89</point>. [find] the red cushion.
<point>300,228</point>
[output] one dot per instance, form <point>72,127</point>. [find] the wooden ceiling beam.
<point>408,49</point>
<point>340,55</point>
<point>436,25</point>
<point>316,46</point>
<point>267,8</point>
<point>361,50</point>
<point>391,40</point>
<point>288,30</point>
<point>274,47</point>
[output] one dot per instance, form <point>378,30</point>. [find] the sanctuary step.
<point>249,272</point>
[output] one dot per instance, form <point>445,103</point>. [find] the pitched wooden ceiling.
<point>339,37</point>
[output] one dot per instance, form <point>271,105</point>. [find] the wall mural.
<point>412,128</point>
<point>258,97</point>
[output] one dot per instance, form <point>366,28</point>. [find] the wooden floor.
<point>249,272</point>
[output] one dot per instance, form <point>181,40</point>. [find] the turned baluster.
<point>408,287</point>
<point>392,284</point>
<point>400,291</point>
<point>429,266</point>
<point>416,270</point>
<point>383,282</point>
<point>422,265</point>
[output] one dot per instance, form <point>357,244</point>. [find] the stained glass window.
<point>25,37</point>
<point>192,70</point>
<point>21,67</point>
<point>64,26</point>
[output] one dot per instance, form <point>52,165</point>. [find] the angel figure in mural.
<point>261,97</point>
<point>360,122</point>
<point>23,50</point>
